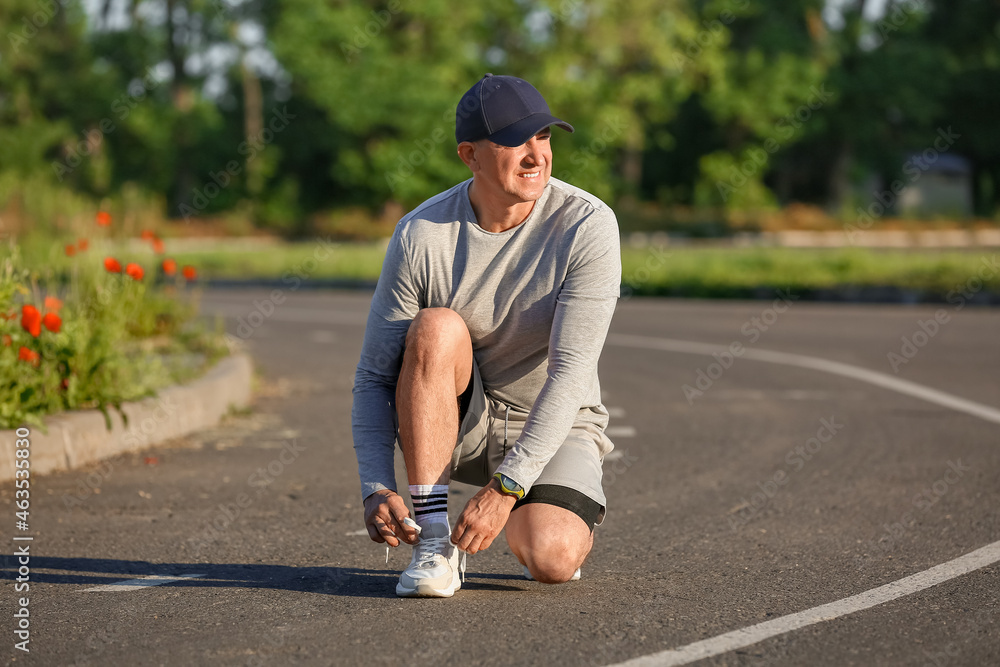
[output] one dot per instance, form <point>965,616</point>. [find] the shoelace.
<point>432,547</point>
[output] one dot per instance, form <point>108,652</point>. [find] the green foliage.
<point>670,98</point>
<point>610,68</point>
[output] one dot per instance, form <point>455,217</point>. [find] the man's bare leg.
<point>436,367</point>
<point>550,541</point>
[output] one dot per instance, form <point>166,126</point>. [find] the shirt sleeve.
<point>584,307</point>
<point>373,413</point>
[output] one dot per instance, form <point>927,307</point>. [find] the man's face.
<point>520,172</point>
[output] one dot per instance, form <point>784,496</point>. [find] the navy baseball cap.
<point>504,109</point>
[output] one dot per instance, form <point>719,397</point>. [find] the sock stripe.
<point>438,504</point>
<point>429,496</point>
<point>417,512</point>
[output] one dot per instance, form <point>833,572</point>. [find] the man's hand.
<point>482,519</point>
<point>384,514</point>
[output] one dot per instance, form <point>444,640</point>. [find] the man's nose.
<point>534,152</point>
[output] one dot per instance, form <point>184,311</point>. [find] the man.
<point>480,355</point>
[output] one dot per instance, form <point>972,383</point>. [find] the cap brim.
<point>518,133</point>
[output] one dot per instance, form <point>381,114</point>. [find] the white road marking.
<point>922,580</point>
<point>620,431</point>
<point>753,634</point>
<point>987,412</point>
<point>141,582</point>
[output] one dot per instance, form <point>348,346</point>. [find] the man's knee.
<point>436,328</point>
<point>552,558</point>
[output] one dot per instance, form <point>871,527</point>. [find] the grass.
<point>702,272</point>
<point>695,271</point>
<point>309,260</point>
<point>735,272</point>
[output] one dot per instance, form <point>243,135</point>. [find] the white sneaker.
<point>433,571</point>
<point>527,575</point>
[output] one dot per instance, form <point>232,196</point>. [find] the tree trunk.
<point>253,123</point>
<point>838,185</point>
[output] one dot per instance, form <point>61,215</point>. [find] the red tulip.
<point>147,234</point>
<point>70,250</point>
<point>83,245</point>
<point>112,265</point>
<point>170,266</point>
<point>31,320</point>
<point>24,354</point>
<point>103,218</point>
<point>158,246</point>
<point>52,322</point>
<point>52,303</point>
<point>189,272</point>
<point>134,271</point>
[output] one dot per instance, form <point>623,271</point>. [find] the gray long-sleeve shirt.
<point>537,299</point>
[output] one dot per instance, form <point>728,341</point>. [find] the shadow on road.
<point>326,580</point>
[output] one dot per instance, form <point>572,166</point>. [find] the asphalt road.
<point>743,490</point>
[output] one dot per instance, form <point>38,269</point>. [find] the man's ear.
<point>467,151</point>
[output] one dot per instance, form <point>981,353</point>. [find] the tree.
<point>390,75</point>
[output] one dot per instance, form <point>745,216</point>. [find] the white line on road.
<point>912,584</point>
<point>753,634</point>
<point>883,380</point>
<point>620,431</point>
<point>141,582</point>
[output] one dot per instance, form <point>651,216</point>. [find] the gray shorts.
<point>490,429</point>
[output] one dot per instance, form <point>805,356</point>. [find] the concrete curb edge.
<point>80,437</point>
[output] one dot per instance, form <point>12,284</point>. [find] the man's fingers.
<point>468,540</point>
<point>386,532</point>
<point>461,536</point>
<point>475,544</point>
<point>374,534</point>
<point>408,534</point>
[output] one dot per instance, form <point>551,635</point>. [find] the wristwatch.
<point>508,486</point>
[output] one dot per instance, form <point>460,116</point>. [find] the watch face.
<point>511,485</point>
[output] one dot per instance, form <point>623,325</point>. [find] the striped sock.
<point>430,504</point>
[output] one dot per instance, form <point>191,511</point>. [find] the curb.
<point>80,437</point>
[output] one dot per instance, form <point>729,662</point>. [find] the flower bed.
<point>92,330</point>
